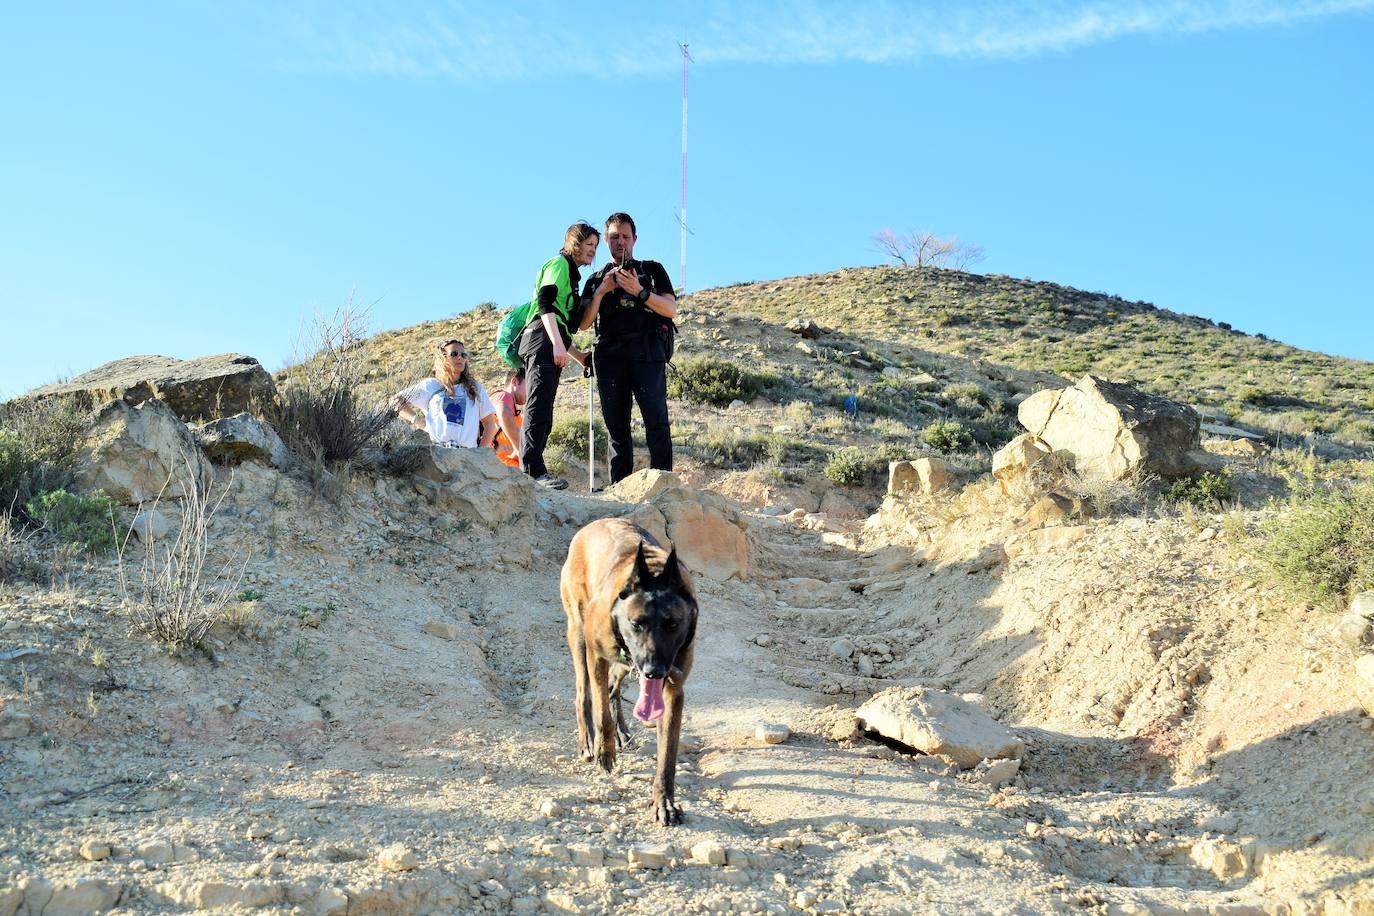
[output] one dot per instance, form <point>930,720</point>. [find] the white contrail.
<point>466,41</point>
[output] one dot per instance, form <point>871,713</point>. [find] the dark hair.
<point>515,375</point>
<point>622,218</point>
<point>578,233</point>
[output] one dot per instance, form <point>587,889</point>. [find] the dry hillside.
<point>382,721</point>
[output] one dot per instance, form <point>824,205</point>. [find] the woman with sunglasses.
<point>452,407</point>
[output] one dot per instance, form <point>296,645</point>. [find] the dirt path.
<point>332,728</point>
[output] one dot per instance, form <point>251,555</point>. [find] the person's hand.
<point>607,283</point>
<point>560,356</point>
<point>629,281</point>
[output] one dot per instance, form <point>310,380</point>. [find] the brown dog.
<point>630,607</point>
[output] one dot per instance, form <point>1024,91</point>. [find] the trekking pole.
<point>591,422</point>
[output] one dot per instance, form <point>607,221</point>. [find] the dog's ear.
<point>672,573</point>
<point>639,576</point>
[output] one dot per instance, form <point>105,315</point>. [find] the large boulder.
<point>935,722</point>
<point>140,454</point>
<point>643,485</point>
<point>1113,429</point>
<point>195,389</point>
<point>705,529</point>
<point>475,485</point>
<point>242,437</point>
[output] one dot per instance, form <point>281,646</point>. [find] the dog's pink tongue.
<point>650,704</point>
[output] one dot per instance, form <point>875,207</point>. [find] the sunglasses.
<point>452,353</point>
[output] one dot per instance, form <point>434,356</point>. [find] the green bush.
<point>1321,547</point>
<point>710,380</point>
<point>847,467</point>
<point>1209,492</point>
<point>37,443</point>
<point>88,521</point>
<point>569,434</point>
<point>947,436</point>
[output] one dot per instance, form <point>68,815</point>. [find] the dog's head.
<point>655,616</point>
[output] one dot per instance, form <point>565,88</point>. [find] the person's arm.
<point>408,411</point>
<point>664,304</point>
<point>505,418</point>
<point>593,307</point>
<point>488,434</point>
<point>560,352</point>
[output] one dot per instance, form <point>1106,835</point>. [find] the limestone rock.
<point>1042,539</point>
<point>1364,682</point>
<point>136,454</point>
<point>709,852</point>
<point>243,437</point>
<point>195,389</point>
<point>924,476</point>
<point>150,525</point>
<point>649,855</point>
<point>474,484</point>
<point>706,530</point>
<point>441,629</point>
<point>805,327</point>
<point>643,485</point>
<point>772,733</point>
<point>15,724</point>
<point>1113,429</point>
<point>1054,509</point>
<point>397,858</point>
<point>1225,431</point>
<point>997,772</point>
<point>935,722</point>
<point>1223,859</point>
<point>86,895</point>
<point>94,850</point>
<point>207,895</point>
<point>1363,604</point>
<point>1018,456</point>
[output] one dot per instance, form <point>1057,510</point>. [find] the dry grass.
<point>174,599</point>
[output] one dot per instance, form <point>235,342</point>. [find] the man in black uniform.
<point>633,305</point>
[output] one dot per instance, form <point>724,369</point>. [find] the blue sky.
<point>191,178</point>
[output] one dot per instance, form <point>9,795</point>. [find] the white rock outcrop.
<point>935,722</point>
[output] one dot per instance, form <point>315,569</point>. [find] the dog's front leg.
<point>600,670</point>
<point>666,811</point>
<point>582,707</point>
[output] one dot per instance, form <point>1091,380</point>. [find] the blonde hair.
<point>443,371</point>
<point>578,233</point>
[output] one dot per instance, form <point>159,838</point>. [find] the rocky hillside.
<point>1092,697</point>
<point>917,347</point>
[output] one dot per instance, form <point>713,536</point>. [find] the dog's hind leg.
<point>666,811</point>
<point>618,673</point>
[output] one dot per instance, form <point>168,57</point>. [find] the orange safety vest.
<point>505,449</point>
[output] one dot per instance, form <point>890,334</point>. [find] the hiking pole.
<point>591,421</point>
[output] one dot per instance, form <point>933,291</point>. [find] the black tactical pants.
<point>646,382</point>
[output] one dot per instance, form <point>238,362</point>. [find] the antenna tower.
<point>682,218</point>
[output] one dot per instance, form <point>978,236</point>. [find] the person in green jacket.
<point>546,343</point>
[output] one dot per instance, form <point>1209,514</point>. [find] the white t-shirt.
<point>455,420</point>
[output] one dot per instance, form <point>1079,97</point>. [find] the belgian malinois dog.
<point>630,609</point>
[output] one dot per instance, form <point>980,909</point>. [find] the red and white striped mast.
<point>682,218</point>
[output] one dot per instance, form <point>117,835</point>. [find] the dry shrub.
<point>173,600</point>
<point>1320,548</point>
<point>320,415</point>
